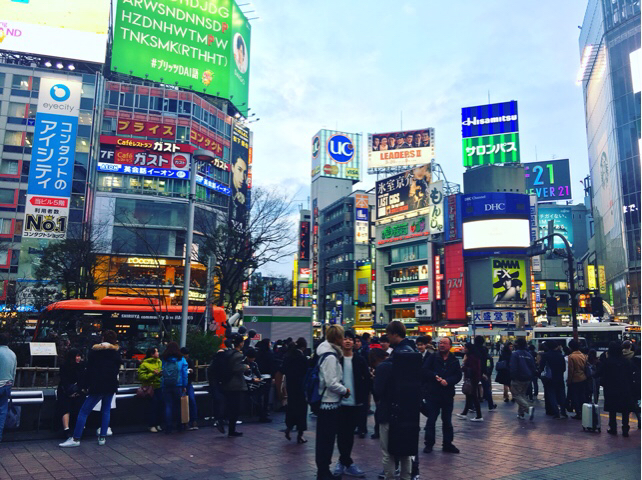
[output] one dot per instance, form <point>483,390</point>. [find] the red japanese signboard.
<point>206,142</point>
<point>455,281</point>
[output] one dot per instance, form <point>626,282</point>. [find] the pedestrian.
<point>375,357</point>
<point>533,389</point>
<point>551,368</point>
<point>592,381</point>
<point>522,371</point>
<point>503,370</point>
<point>174,384</point>
<point>70,395</point>
<point>332,391</point>
<point>576,378</point>
<point>191,377</point>
<point>356,379</point>
<point>103,364</point>
<point>234,388</point>
<point>440,373</point>
<point>256,385</point>
<point>149,374</point>
<point>295,367</point>
<point>216,386</point>
<point>387,387</point>
<point>385,344</point>
<point>498,347</point>
<point>8,365</point>
<point>616,373</point>
<point>472,374</point>
<point>487,364</point>
<point>265,359</point>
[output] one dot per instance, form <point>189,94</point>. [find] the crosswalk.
<point>498,388</point>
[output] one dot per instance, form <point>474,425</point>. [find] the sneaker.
<point>531,413</point>
<point>479,419</point>
<point>219,426</point>
<point>158,427</point>
<point>383,473</point>
<point>427,449</point>
<point>70,442</point>
<point>492,407</point>
<point>450,448</point>
<point>338,469</point>
<point>101,441</point>
<point>153,429</point>
<point>109,432</point>
<point>193,428</point>
<point>354,471</point>
<point>520,416</point>
<point>461,415</point>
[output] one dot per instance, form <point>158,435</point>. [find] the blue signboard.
<point>562,223</point>
<point>212,185</point>
<point>362,214</point>
<point>515,205</point>
<point>146,171</point>
<point>493,119</point>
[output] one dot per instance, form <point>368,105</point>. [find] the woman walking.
<point>472,375</point>
<point>70,395</point>
<point>295,366</point>
<point>503,370</point>
<point>174,384</point>
<point>149,375</point>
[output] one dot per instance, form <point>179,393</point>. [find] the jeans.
<point>519,389</point>
<point>5,394</point>
<point>327,430</point>
<point>556,397</point>
<point>577,393</point>
<point>155,408</point>
<point>348,419</point>
<point>85,410</point>
<point>193,413</point>
<point>362,422</point>
<point>232,408</point>
<point>172,401</point>
<point>434,407</point>
<point>405,463</point>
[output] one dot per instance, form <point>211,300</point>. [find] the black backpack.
<point>219,371</point>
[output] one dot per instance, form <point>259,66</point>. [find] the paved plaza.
<point>501,447</point>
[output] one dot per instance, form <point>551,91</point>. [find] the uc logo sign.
<point>60,92</point>
<point>340,148</point>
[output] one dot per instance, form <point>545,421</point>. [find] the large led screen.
<point>410,147</point>
<point>74,29</point>
<point>198,45</point>
<point>499,233</point>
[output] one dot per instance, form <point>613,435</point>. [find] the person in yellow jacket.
<point>149,375</point>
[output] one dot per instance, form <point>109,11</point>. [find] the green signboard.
<point>200,45</point>
<point>490,149</point>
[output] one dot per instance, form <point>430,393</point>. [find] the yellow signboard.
<point>602,278</point>
<point>563,310</point>
<point>590,277</point>
<point>146,262</point>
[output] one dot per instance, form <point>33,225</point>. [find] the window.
<point>84,118</point>
<point>29,139</point>
<point>4,255</point>
<point>21,110</point>
<point>109,125</point>
<point>21,82</point>
<point>115,181</point>
<point>13,138</point>
<point>5,226</point>
<point>82,145</point>
<point>1,81</point>
<point>7,196</point>
<point>88,91</point>
<point>9,167</point>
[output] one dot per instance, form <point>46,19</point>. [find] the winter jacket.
<point>182,370</point>
<point>472,368</point>
<point>103,364</point>
<point>331,375</point>
<point>361,374</point>
<point>522,366</point>
<point>635,363</point>
<point>616,374</point>
<point>576,367</point>
<point>146,372</point>
<point>295,366</point>
<point>72,378</point>
<point>449,369</point>
<point>503,375</point>
<point>554,359</point>
<point>238,367</point>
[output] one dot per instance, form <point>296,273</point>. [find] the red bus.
<point>137,320</point>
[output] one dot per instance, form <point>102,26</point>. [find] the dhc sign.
<point>340,148</point>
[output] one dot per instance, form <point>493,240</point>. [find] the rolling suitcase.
<point>591,417</point>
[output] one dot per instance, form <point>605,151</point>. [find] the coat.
<point>238,367</point>
<point>554,359</point>
<point>576,367</point>
<point>72,378</point>
<point>449,370</point>
<point>295,366</point>
<point>146,374</point>
<point>331,374</point>
<point>503,375</point>
<point>384,383</point>
<point>103,365</point>
<point>472,368</point>
<point>616,374</point>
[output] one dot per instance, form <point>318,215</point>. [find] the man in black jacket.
<point>486,369</point>
<point>554,378</point>
<point>440,373</point>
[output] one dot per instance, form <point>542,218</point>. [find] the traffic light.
<point>551,306</point>
<point>597,307</point>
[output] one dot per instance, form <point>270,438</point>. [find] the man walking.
<point>522,372</point>
<point>8,365</point>
<point>440,373</point>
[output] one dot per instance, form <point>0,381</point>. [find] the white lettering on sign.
<point>494,207</point>
<point>483,121</point>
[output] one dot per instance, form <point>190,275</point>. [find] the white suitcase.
<point>591,417</point>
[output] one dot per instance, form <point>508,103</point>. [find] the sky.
<point>374,66</point>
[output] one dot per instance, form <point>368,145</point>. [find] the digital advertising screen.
<point>404,192</point>
<point>498,233</point>
<point>200,46</point>
<point>394,149</point>
<point>73,29</point>
<point>509,280</point>
<point>549,180</point>
<point>491,150</point>
<point>492,119</point>
<point>562,217</point>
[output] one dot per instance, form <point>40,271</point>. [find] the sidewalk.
<point>501,447</point>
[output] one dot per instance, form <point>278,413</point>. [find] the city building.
<point>609,47</point>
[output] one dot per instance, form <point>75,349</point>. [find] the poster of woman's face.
<point>241,57</point>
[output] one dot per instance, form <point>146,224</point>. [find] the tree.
<point>270,291</point>
<point>241,248</point>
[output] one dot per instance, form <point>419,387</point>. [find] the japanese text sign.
<point>491,149</point>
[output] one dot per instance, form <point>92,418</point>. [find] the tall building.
<point>610,78</point>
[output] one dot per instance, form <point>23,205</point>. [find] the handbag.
<point>501,365</point>
<point>145,391</point>
<point>184,409</point>
<point>467,387</point>
<point>547,374</point>
<point>13,416</point>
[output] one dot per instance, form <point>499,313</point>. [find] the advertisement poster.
<point>491,119</point>
<point>200,46</point>
<point>455,283</point>
<point>240,202</point>
<point>562,223</point>
<point>491,150</point>
<point>336,154</point>
<point>509,280</point>
<point>549,180</point>
<point>408,191</point>
<point>394,149</point>
<point>304,241</point>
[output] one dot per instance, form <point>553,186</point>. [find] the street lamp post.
<point>199,155</point>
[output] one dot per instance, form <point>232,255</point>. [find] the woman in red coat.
<point>472,374</point>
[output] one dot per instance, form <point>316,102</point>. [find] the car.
<point>457,349</point>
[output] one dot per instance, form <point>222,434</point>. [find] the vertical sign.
<point>536,262</point>
<point>240,201</point>
<point>590,277</point>
<point>361,219</point>
<point>304,241</point>
<point>438,277</point>
<point>601,275</point>
<point>455,283</point>
<point>52,159</point>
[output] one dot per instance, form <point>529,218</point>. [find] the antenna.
<point>488,97</point>
<point>401,121</point>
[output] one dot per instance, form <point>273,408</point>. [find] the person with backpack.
<point>295,366</point>
<point>234,384</point>
<point>616,373</point>
<point>103,364</point>
<point>174,384</point>
<point>331,391</point>
<point>149,375</point>
<point>522,371</point>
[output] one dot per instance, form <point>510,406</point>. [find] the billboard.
<point>493,119</point>
<point>241,165</point>
<point>499,233</point>
<point>455,283</point>
<point>304,241</point>
<point>406,192</point>
<point>52,159</point>
<point>562,223</point>
<point>336,155</point>
<point>74,29</point>
<point>200,46</point>
<point>395,149</point>
<point>476,205</point>
<point>509,280</point>
<point>549,180</point>
<point>492,149</point>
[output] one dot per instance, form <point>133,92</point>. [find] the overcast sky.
<point>362,66</point>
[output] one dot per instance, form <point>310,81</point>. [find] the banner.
<point>240,201</point>
<point>410,147</point>
<point>509,280</point>
<point>409,191</point>
<point>562,223</point>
